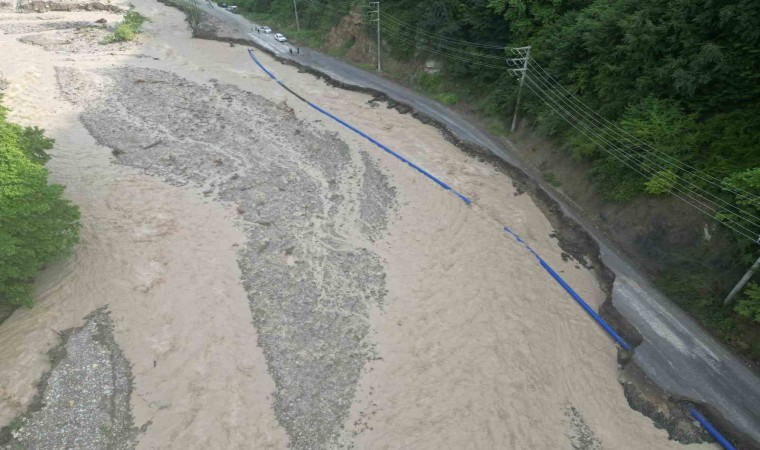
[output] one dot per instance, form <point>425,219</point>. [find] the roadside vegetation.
<point>682,76</point>
<point>128,29</point>
<point>37,224</point>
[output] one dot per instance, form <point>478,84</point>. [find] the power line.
<point>402,35</point>
<point>443,38</point>
<point>616,136</point>
<point>333,10</point>
<point>608,142</point>
<point>462,58</point>
<point>588,133</point>
<point>620,155</point>
<point>578,108</point>
<point>446,46</point>
<point>639,142</point>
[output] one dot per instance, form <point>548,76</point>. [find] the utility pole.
<point>730,297</point>
<point>295,8</point>
<point>524,53</point>
<point>375,8</point>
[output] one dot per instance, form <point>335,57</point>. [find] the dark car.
<point>222,5</point>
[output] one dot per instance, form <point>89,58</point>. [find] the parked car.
<point>232,9</point>
<point>280,37</point>
<point>222,5</point>
<point>266,29</point>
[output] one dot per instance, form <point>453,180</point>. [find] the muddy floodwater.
<point>252,275</point>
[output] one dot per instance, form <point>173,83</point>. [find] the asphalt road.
<point>676,353</point>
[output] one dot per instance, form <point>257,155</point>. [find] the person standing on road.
<point>290,50</point>
<point>298,50</point>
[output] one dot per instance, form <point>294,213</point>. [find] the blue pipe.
<point>711,429</point>
<point>258,63</point>
<point>573,294</point>
<point>361,133</point>
<point>388,150</point>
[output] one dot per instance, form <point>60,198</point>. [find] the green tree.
<point>36,223</point>
<point>749,306</point>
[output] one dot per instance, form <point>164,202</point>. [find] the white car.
<point>280,37</point>
<point>266,29</point>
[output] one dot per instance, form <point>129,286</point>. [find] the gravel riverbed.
<point>84,399</point>
<point>308,205</point>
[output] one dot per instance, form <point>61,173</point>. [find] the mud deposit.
<point>32,27</point>
<point>84,399</point>
<point>78,40</point>
<point>581,436</point>
<point>309,206</point>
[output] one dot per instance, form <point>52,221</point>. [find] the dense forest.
<point>676,83</point>
<point>36,223</point>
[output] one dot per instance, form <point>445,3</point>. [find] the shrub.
<point>447,98</point>
<point>427,82</point>
<point>123,33</point>
<point>749,306</point>
<point>550,178</point>
<point>661,182</point>
<point>36,223</point>
<point>128,28</point>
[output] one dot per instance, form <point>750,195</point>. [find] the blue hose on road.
<point>258,63</point>
<point>360,133</point>
<point>711,429</point>
<point>371,139</point>
<point>594,315</point>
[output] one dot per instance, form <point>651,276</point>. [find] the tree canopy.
<point>36,223</point>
